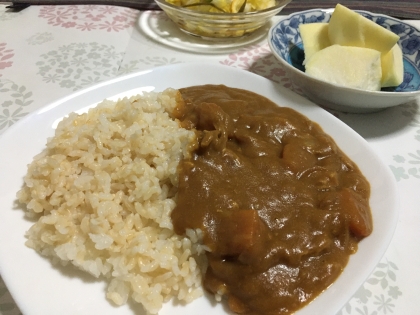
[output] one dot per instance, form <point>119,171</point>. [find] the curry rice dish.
<point>208,186</point>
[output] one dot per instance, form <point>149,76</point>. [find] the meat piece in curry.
<point>281,206</point>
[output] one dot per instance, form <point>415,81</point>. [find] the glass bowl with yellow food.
<point>221,19</point>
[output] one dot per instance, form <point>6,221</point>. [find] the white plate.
<point>162,31</point>
<point>40,288</point>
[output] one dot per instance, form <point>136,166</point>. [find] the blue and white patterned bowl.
<point>286,44</point>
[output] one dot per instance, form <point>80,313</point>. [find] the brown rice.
<point>102,192</point>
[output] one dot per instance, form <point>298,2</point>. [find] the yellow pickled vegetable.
<point>257,5</point>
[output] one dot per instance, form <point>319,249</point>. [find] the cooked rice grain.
<point>102,192</point>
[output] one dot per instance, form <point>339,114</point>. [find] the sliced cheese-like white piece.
<point>353,67</point>
<point>314,38</point>
<point>349,28</point>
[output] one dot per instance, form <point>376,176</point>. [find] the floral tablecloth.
<point>47,52</point>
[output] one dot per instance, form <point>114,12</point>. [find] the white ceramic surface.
<point>40,288</point>
<point>285,41</point>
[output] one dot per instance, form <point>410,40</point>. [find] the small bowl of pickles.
<point>221,19</point>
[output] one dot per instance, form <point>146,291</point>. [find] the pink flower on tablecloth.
<point>90,17</point>
<point>85,9</point>
<point>96,18</point>
<point>111,26</point>
<point>55,15</point>
<point>278,72</point>
<point>86,26</point>
<point>259,60</point>
<point>247,58</point>
<point>69,24</point>
<point>5,55</point>
<point>4,65</point>
<point>120,18</point>
<point>108,9</point>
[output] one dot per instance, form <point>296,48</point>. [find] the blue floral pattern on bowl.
<point>286,41</point>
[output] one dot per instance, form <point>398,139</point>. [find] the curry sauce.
<point>281,207</point>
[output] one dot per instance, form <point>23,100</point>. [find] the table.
<point>48,52</point>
